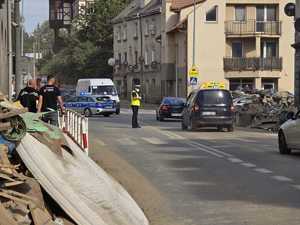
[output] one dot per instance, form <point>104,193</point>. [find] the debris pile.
<point>262,109</point>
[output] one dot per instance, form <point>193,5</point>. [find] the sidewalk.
<point>125,104</point>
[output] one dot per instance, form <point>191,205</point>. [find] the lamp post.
<point>194,35</point>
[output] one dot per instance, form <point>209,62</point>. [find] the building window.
<point>146,58</point>
<point>269,49</point>
<point>153,56</point>
<point>237,49</point>
<point>241,84</point>
<point>120,58</point>
<point>136,57</point>
<point>266,13</point>
<point>212,14</point>
<point>119,30</point>
<point>136,31</point>
<point>147,28</point>
<point>240,13</point>
<point>124,33</point>
<point>125,58</point>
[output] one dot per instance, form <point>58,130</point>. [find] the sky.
<point>35,11</point>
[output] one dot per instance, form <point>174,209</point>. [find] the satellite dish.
<point>290,9</point>
<point>111,62</point>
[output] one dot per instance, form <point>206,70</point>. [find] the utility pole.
<point>9,44</point>
<point>19,80</point>
<point>194,36</point>
<point>142,52</point>
<point>34,60</point>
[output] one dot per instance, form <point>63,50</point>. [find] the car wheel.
<point>118,111</point>
<point>220,128</point>
<point>192,126</point>
<point>160,118</point>
<point>183,126</point>
<point>87,113</point>
<point>230,128</point>
<point>283,148</point>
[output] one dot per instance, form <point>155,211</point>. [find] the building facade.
<point>297,57</point>
<point>242,43</point>
<point>4,48</point>
<point>137,49</point>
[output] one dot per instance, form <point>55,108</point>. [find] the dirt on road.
<point>145,194</point>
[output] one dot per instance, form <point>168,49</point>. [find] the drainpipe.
<point>9,44</point>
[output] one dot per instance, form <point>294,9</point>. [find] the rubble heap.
<point>262,109</point>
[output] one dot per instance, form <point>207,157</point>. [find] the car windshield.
<point>215,97</point>
<point>102,99</point>
<point>173,101</point>
<point>104,90</point>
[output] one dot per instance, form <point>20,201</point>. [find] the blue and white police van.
<point>98,87</point>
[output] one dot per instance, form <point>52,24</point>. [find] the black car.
<point>209,108</point>
<point>170,107</point>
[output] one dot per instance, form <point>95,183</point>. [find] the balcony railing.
<point>253,27</point>
<point>252,64</point>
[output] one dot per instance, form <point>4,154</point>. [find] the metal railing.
<point>252,64</point>
<point>76,126</point>
<point>253,27</point>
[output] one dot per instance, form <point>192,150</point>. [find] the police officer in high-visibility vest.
<point>135,105</point>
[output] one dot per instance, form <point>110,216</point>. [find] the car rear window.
<point>214,97</point>
<point>173,101</point>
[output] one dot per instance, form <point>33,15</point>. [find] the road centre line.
<point>249,165</point>
<point>212,149</point>
<point>205,150</point>
<point>235,160</point>
<point>282,178</point>
<point>263,170</point>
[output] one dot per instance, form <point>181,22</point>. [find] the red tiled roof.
<point>177,5</point>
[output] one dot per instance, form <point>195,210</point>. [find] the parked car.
<point>289,134</point>
<point>209,108</point>
<point>170,107</point>
<point>88,106</point>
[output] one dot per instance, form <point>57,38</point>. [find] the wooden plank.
<point>7,196</point>
<point>5,217</point>
<point>12,184</point>
<point>6,177</point>
<point>41,217</point>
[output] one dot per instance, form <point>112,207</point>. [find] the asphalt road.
<point>207,177</point>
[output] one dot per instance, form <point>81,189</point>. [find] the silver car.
<point>289,134</point>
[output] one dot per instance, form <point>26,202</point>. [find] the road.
<point>204,177</point>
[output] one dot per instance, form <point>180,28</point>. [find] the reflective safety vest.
<point>135,98</point>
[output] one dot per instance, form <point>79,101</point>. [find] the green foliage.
<point>88,47</point>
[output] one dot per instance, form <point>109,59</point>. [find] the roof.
<point>133,10</point>
<point>178,5</point>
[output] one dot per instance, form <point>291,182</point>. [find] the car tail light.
<point>196,108</point>
<point>165,108</point>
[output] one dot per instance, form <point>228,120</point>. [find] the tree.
<point>89,46</point>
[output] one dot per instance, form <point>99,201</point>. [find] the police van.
<point>98,87</point>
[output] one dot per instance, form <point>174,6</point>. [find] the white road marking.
<point>211,149</point>
<point>172,135</point>
<point>154,141</point>
<point>235,160</point>
<point>126,141</point>
<point>282,178</point>
<point>184,169</point>
<point>204,150</point>
<point>263,170</point>
<point>297,187</point>
<point>249,165</point>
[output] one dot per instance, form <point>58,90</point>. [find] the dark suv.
<point>209,108</point>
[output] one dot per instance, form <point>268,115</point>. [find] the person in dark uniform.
<point>49,98</point>
<point>28,96</point>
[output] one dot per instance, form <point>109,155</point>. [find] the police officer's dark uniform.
<point>28,98</point>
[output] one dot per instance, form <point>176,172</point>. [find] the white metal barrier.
<point>76,126</point>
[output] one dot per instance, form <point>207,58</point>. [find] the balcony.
<point>252,64</point>
<point>252,28</point>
